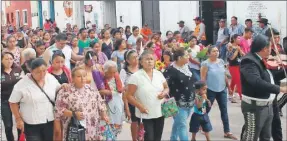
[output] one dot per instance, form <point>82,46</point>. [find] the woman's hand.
<point>20,124</point>
<point>161,95</point>
<point>128,114</point>
<point>105,118</point>
<point>143,110</point>
<point>79,115</point>
<point>65,86</point>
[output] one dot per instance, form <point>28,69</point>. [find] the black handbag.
<point>75,131</point>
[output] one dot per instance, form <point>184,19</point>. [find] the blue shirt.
<point>215,77</point>
<point>238,29</point>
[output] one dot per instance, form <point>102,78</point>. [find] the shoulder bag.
<point>53,103</point>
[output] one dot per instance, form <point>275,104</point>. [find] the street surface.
<point>235,120</point>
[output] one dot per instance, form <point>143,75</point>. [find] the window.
<point>8,3</point>
<point>7,18</point>
<point>12,17</point>
<point>25,17</point>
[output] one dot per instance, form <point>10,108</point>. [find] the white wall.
<point>131,13</point>
<point>274,11</point>
<point>60,15</point>
<point>34,9</point>
<point>3,7</point>
<point>172,12</point>
<point>45,9</point>
<point>96,16</point>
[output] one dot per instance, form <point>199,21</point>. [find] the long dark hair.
<point>126,58</point>
<point>126,30</point>
<point>233,38</point>
<point>118,43</point>
<point>2,56</point>
<point>87,56</point>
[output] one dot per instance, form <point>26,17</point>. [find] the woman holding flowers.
<point>194,63</point>
<point>180,81</point>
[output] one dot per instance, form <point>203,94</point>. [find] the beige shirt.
<point>147,92</point>
<point>35,108</point>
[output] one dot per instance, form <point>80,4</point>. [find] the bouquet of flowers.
<point>186,47</point>
<point>160,66</point>
<point>202,54</point>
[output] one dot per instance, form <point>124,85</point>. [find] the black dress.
<point>181,86</point>
<point>61,78</point>
<point>21,43</point>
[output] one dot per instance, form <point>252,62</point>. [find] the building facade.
<point>18,13</point>
<point>159,15</point>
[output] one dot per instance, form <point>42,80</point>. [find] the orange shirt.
<point>196,32</point>
<point>146,32</point>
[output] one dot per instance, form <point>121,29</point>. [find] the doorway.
<point>212,12</point>
<point>150,14</point>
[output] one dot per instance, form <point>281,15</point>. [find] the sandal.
<point>233,100</point>
<point>230,136</point>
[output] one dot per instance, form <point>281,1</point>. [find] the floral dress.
<point>85,100</point>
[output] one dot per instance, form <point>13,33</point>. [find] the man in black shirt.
<point>258,91</point>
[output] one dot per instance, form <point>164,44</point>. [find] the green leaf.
<point>202,54</point>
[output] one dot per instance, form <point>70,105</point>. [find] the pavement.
<point>235,120</point>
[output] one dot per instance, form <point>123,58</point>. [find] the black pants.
<point>39,132</point>
<point>153,129</point>
<point>6,115</point>
<point>257,122</point>
<point>282,101</point>
<point>276,122</point>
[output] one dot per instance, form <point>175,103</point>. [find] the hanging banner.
<point>68,7</point>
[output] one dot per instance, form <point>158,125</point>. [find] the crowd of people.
<point>110,76</point>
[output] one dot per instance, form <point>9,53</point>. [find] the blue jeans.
<point>222,51</point>
<point>179,127</point>
<point>196,73</point>
<point>221,98</point>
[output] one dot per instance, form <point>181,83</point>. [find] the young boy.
<point>200,116</point>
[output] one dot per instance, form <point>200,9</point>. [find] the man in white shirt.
<point>60,44</point>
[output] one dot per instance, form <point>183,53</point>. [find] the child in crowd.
<point>200,116</point>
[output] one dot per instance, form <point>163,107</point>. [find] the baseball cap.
<point>197,19</point>
<point>263,20</point>
<point>180,22</point>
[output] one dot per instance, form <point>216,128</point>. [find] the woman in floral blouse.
<point>87,104</point>
<point>180,81</point>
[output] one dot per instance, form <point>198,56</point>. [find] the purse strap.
<point>43,91</point>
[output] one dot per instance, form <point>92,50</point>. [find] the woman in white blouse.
<point>146,90</point>
<point>36,115</point>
